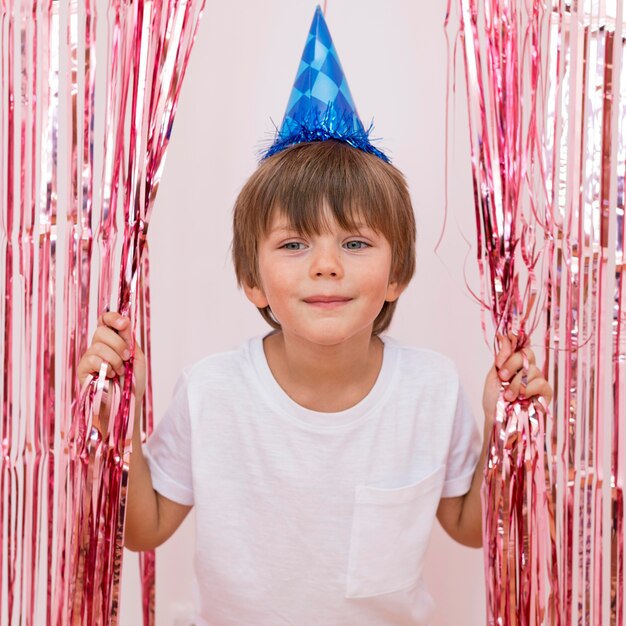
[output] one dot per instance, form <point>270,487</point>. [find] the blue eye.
<point>293,245</point>
<point>356,245</point>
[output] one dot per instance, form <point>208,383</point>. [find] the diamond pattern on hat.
<point>320,82</point>
<point>320,106</point>
<point>324,88</point>
<point>309,50</point>
<point>332,69</point>
<point>305,79</point>
<point>322,34</point>
<point>345,92</point>
<point>321,52</point>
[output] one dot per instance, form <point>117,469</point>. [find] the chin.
<point>332,336</point>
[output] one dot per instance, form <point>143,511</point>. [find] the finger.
<point>124,330</point>
<point>513,389</point>
<point>506,349</point>
<point>515,363</point>
<point>528,387</point>
<point>533,373</point>
<point>106,353</point>
<point>94,363</point>
<point>516,340</point>
<point>539,387</point>
<point>120,324</point>
<point>116,322</point>
<point>527,375</point>
<point>110,318</point>
<point>115,341</point>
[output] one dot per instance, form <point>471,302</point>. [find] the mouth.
<point>327,302</point>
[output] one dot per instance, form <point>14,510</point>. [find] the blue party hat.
<point>321,105</point>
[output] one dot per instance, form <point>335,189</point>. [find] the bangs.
<point>308,188</point>
<point>315,216</point>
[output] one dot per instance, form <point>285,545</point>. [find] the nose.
<point>326,262</point>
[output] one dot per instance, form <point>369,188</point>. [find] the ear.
<point>394,290</point>
<point>256,295</point>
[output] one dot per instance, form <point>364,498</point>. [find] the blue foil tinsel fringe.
<point>321,126</point>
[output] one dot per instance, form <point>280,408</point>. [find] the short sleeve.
<point>464,449</point>
<point>168,449</point>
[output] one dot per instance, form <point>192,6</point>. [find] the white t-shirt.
<point>307,518</point>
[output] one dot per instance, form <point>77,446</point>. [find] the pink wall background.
<point>239,79</point>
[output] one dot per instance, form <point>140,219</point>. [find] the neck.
<point>325,378</point>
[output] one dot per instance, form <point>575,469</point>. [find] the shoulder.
<point>227,366</point>
<point>427,366</point>
<point>422,359</point>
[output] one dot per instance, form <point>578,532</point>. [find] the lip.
<point>327,302</point>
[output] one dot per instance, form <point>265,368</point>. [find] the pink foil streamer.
<point>63,475</point>
<point>147,559</point>
<point>547,102</point>
<point>615,205</point>
<point>7,481</point>
<point>46,336</point>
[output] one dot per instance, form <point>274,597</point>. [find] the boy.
<point>318,456</point>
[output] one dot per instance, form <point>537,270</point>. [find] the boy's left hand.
<point>509,366</point>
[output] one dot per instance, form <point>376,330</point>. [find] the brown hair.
<point>300,181</point>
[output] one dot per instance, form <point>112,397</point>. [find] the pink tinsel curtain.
<point>546,93</point>
<point>89,92</point>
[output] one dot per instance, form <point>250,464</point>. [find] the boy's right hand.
<point>111,343</point>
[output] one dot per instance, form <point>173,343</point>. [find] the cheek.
<point>279,288</point>
<point>281,277</point>
<point>375,282</point>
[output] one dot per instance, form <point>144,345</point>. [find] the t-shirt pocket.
<point>390,532</point>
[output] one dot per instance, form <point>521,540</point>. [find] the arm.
<point>151,518</point>
<point>461,517</point>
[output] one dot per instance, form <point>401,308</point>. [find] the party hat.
<point>321,105</point>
